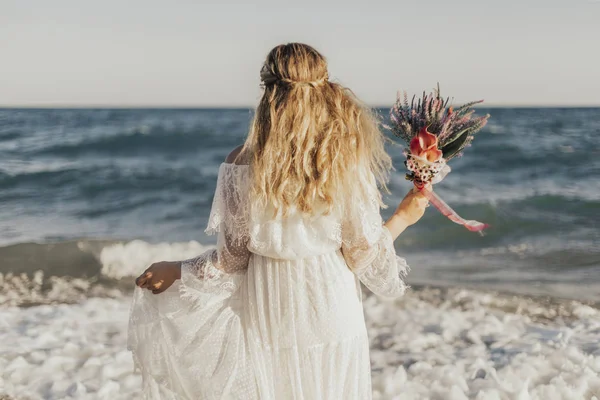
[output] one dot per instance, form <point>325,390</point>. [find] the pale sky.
<point>199,53</point>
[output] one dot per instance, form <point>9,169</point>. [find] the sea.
<point>74,181</point>
<point>91,197</point>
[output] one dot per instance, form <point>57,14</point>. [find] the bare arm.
<point>409,211</point>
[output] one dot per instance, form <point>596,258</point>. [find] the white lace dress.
<point>274,311</point>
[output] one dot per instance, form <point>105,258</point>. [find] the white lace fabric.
<point>274,311</point>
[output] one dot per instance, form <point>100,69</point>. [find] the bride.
<point>274,312</point>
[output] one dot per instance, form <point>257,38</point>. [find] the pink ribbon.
<point>445,209</point>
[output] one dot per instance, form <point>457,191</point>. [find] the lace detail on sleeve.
<point>386,273</point>
<point>368,249</point>
<point>230,208</point>
<point>204,274</point>
<point>229,220</point>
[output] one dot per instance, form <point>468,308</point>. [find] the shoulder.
<point>237,156</point>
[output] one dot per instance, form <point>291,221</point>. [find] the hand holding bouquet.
<point>435,134</point>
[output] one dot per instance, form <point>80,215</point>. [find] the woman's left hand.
<point>412,207</point>
<point>159,276</point>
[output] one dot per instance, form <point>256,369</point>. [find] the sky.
<point>209,54</point>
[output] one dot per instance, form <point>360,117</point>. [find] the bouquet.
<point>435,133</point>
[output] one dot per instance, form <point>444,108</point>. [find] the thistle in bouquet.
<point>435,133</point>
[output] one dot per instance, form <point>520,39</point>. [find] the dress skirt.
<point>282,329</point>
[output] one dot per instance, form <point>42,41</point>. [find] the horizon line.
<point>240,107</point>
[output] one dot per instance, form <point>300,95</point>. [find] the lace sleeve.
<point>229,220</point>
<point>368,248</point>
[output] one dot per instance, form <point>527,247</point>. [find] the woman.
<point>274,311</point>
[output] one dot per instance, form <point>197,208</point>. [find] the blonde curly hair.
<point>311,141</point>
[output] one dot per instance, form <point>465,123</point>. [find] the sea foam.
<point>129,259</point>
<point>432,344</point>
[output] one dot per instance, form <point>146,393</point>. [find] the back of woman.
<point>274,311</point>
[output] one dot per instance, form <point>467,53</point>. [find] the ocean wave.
<point>35,273</point>
<point>89,182</point>
<point>122,260</point>
<point>6,136</point>
<point>53,177</point>
<point>91,258</point>
<point>67,272</point>
<point>142,141</point>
